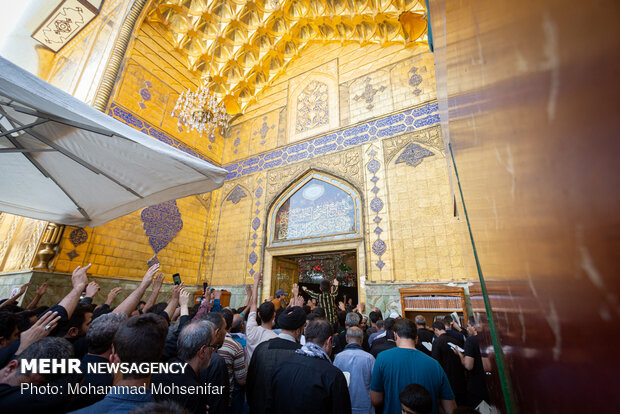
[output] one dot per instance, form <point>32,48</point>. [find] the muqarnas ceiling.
<point>238,47</point>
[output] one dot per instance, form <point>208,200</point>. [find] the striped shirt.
<point>233,355</point>
<point>325,300</point>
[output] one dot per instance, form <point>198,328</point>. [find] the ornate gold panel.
<point>239,47</point>
<point>345,164</point>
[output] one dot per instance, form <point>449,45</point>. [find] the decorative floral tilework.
<point>380,264</point>
<point>389,126</point>
<point>130,119</point>
<point>373,166</point>
<point>413,155</point>
<point>368,95</point>
<point>392,125</point>
<point>78,237</point>
<point>256,223</point>
<point>312,107</point>
<point>379,247</point>
<point>415,80</point>
<point>376,204</point>
<point>161,223</point>
<point>264,129</point>
<point>236,195</point>
<point>253,258</point>
<point>145,94</point>
<point>153,260</point>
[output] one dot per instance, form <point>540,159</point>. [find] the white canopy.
<point>66,162</point>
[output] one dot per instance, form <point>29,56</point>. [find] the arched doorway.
<point>314,231</point>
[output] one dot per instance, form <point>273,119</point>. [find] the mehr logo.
<point>50,366</point>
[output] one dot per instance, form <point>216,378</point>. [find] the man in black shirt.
<point>308,383</point>
<point>216,373</point>
<point>270,354</point>
<point>424,335</point>
<point>29,400</point>
<point>450,362</point>
<point>99,341</point>
<point>194,347</point>
<point>352,319</point>
<point>74,329</point>
<point>472,361</point>
<point>384,342</point>
<point>8,328</point>
<point>373,317</point>
<point>454,331</point>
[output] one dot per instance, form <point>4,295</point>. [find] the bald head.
<point>354,335</point>
<point>237,324</point>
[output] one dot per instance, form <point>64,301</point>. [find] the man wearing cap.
<point>280,299</point>
<point>269,354</point>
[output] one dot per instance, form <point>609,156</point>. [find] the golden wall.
<point>364,115</point>
<point>19,241</point>
<point>78,67</point>
<point>147,91</point>
<point>122,249</point>
<point>417,224</point>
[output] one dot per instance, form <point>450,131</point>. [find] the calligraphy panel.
<point>316,209</point>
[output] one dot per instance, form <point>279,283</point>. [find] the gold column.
<point>49,245</point>
<point>118,53</point>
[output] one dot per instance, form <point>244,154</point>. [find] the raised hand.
<point>176,291</point>
<point>92,289</point>
<point>40,329</point>
<point>361,307</point>
<point>174,299</point>
<point>336,282</point>
<point>258,276</point>
<point>42,289</point>
<point>184,298</point>
<point>295,290</point>
<point>23,288</point>
<point>304,288</point>
<point>159,280</point>
<point>112,295</point>
<point>148,276</point>
<point>78,277</point>
<point>341,306</point>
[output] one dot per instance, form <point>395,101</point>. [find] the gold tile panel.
<point>239,47</point>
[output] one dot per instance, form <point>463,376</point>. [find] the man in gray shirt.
<point>358,364</point>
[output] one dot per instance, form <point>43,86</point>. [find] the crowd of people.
<point>298,352</point>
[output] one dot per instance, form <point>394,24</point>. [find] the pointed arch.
<point>317,207</point>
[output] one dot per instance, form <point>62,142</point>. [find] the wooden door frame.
<point>356,244</point>
<point>284,259</point>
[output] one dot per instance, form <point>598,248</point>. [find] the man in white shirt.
<point>256,334</point>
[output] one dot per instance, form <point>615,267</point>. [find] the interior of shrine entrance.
<point>310,268</point>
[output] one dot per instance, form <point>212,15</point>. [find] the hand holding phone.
<point>176,278</point>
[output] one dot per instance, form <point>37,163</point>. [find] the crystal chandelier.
<point>200,111</point>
